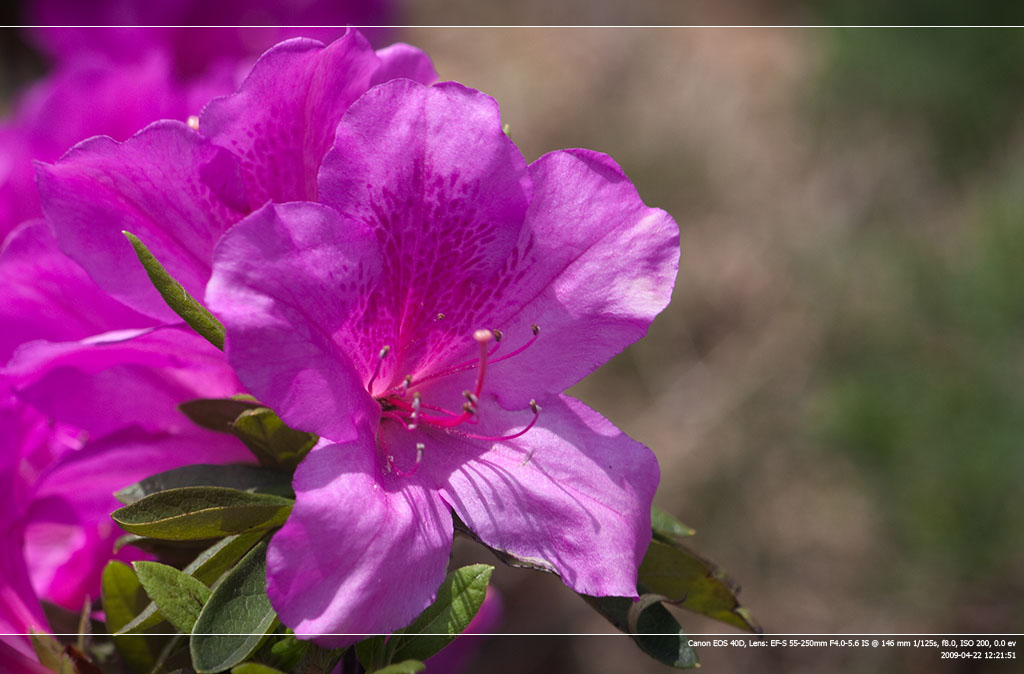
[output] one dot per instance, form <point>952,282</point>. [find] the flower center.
<point>412,412</point>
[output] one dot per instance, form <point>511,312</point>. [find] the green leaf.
<point>192,513</point>
<point>458,600</point>
<point>210,565</point>
<point>406,667</point>
<point>217,414</point>
<point>668,528</point>
<point>372,652</point>
<point>236,618</point>
<point>655,631</point>
<point>50,653</point>
<point>286,651</point>
<point>179,596</point>
<point>273,443</point>
<point>237,476</point>
<point>123,600</point>
<point>267,437</point>
<point>696,584</point>
<point>177,298</point>
<point>254,668</point>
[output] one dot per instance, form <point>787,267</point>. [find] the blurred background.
<point>835,393</point>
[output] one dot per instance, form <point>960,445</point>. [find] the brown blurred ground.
<point>717,126</point>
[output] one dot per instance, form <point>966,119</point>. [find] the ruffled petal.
<point>105,382</point>
<point>281,121</point>
<point>167,185</point>
<point>47,295</point>
<point>69,533</point>
<point>592,269</point>
<point>431,172</point>
<point>287,282</point>
<point>363,551</point>
<point>573,494</point>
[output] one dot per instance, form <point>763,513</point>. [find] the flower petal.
<point>48,296</point>
<point>109,381</point>
<point>431,172</point>
<point>167,185</point>
<point>69,533</point>
<point>363,552</point>
<point>287,282</point>
<point>281,121</point>
<point>572,494</point>
<point>592,269</point>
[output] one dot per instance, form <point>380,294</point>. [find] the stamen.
<point>534,407</point>
<point>415,419</point>
<point>524,347</point>
<point>376,371</point>
<point>406,383</point>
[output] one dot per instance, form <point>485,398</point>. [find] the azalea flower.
<point>179,189</point>
<point>87,96</point>
<point>142,27</point>
<point>425,315</point>
<point>87,406</point>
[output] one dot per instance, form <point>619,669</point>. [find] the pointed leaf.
<point>51,653</point>
<point>666,527</point>
<point>177,298</point>
<point>458,600</point>
<point>217,414</point>
<point>656,632</point>
<point>193,513</point>
<point>178,595</point>
<point>270,440</point>
<point>236,618</point>
<point>207,568</point>
<point>237,476</point>
<point>123,600</point>
<point>694,583</point>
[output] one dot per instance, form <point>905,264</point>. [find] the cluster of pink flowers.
<point>392,275</point>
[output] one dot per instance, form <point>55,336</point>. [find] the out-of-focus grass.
<point>965,87</point>
<point>922,387</point>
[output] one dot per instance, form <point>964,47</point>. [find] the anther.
<point>193,122</point>
<point>534,407</point>
<point>468,408</point>
<point>440,317</point>
<point>473,400</point>
<point>536,330</point>
<point>419,452</point>
<point>497,335</point>
<point>406,383</point>
<point>415,416</point>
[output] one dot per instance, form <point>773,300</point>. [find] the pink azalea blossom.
<point>179,189</point>
<point>426,316</point>
<point>193,50</point>
<point>85,97</point>
<point>385,271</point>
<point>84,411</point>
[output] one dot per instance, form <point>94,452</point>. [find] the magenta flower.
<point>425,316</point>
<point>193,50</point>
<point>83,98</point>
<point>87,406</point>
<point>179,189</point>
